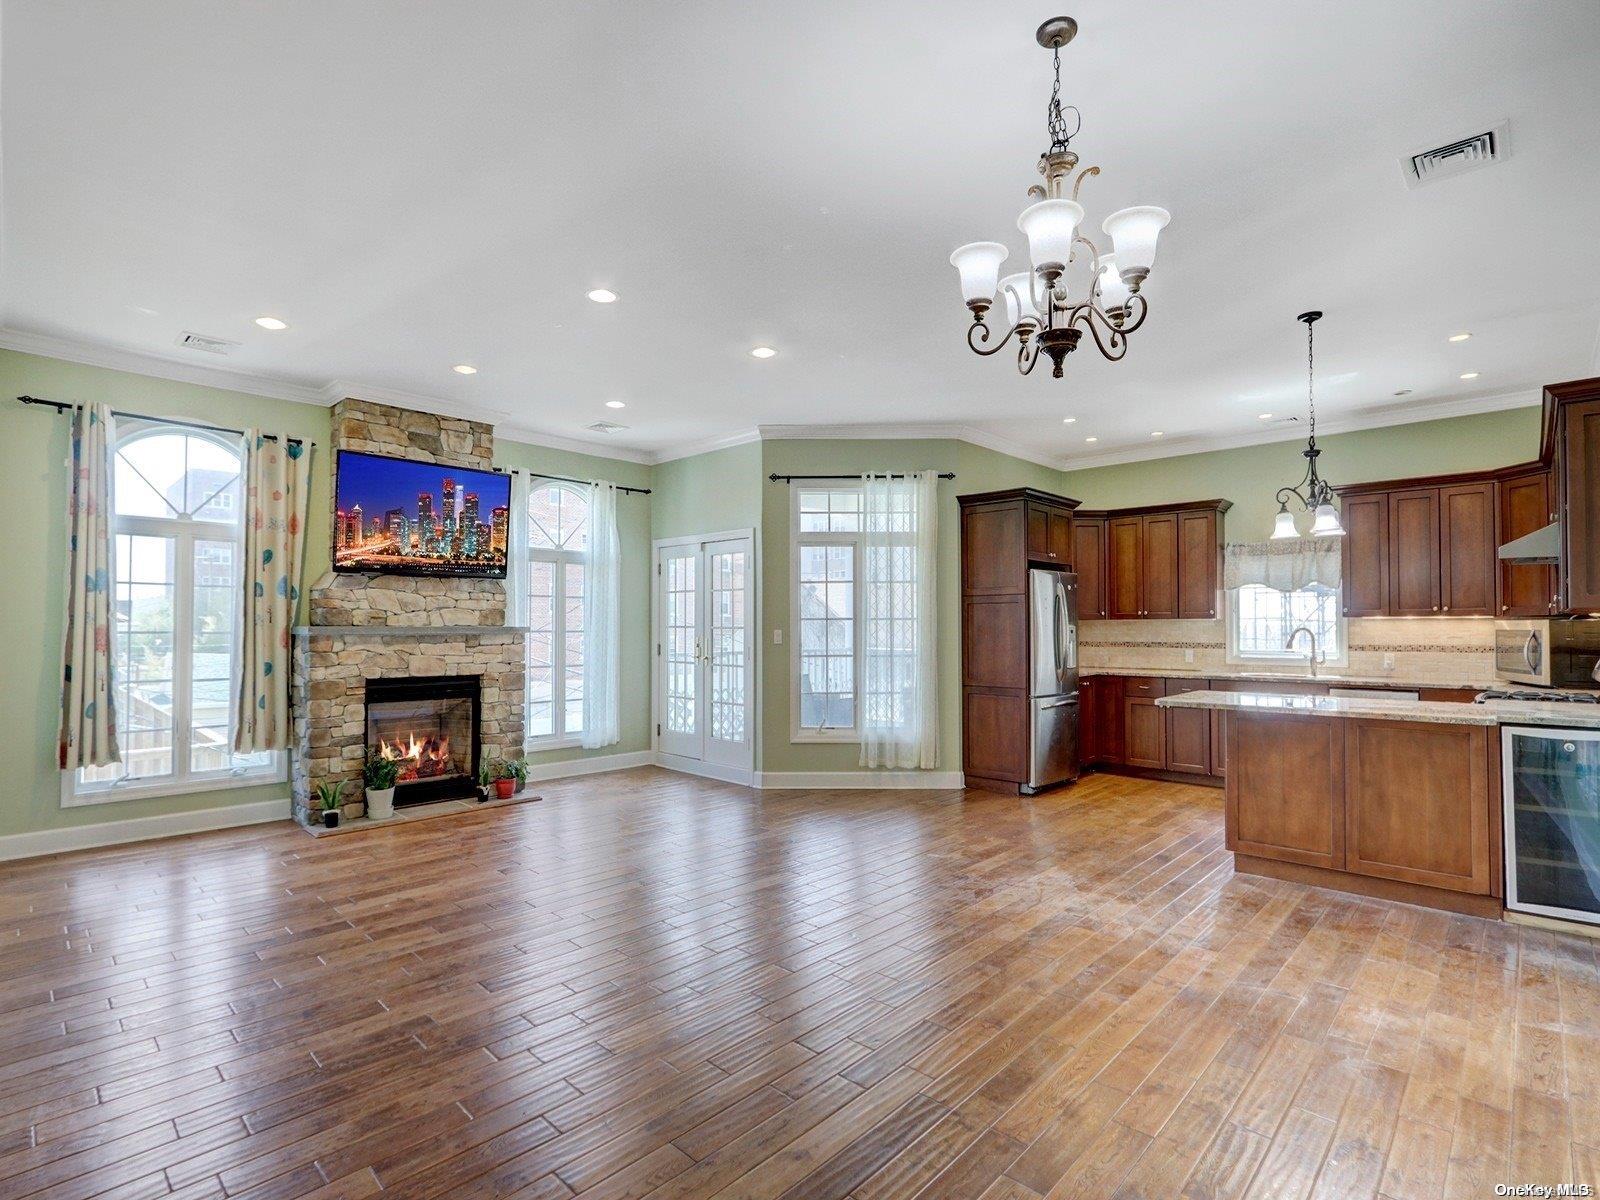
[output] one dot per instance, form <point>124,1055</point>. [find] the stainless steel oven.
<point>1548,653</point>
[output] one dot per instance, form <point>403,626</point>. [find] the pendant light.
<point>1313,493</point>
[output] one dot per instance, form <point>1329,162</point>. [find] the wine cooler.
<point>1552,821</point>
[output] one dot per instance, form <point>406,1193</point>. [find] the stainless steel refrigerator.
<point>1052,678</point>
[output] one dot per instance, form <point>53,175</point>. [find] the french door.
<point>705,651</point>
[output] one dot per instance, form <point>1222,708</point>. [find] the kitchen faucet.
<point>1314,659</point>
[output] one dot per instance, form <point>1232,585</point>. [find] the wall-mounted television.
<point>398,516</point>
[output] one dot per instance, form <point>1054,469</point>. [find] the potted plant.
<point>518,769</point>
<point>485,781</point>
<point>379,775</point>
<point>504,782</point>
<point>328,800</point>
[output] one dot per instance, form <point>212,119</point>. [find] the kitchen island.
<point>1392,798</point>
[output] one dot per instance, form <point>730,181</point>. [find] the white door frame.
<point>734,773</point>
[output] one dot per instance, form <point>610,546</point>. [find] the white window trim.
<point>842,734</point>
<point>184,532</point>
<point>1233,657</point>
<point>559,738</point>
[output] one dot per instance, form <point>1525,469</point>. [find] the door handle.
<point>1527,651</point>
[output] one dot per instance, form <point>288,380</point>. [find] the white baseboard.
<point>140,829</point>
<point>541,772</point>
<point>693,766</point>
<point>861,780</point>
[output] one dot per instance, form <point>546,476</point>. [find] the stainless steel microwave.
<point>1548,653</point>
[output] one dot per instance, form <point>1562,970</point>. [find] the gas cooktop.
<point>1539,695</point>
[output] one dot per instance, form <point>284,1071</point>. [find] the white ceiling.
<point>413,185</point>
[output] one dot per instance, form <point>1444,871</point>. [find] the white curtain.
<point>517,553</point>
<point>1286,565</point>
<point>277,478</point>
<point>88,731</point>
<point>602,620</point>
<point>899,692</point>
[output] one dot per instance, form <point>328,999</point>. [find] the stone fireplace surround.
<point>388,626</point>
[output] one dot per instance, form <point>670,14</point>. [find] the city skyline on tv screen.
<point>401,516</point>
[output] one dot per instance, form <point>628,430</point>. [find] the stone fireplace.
<point>399,639</point>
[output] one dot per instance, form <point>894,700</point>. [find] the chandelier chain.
<point>1055,117</point>
<point>1311,376</point>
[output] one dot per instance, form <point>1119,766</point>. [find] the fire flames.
<point>424,759</point>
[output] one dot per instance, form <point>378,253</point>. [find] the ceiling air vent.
<point>605,427</point>
<point>1480,149</point>
<point>211,345</point>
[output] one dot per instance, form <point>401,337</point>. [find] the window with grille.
<point>1260,620</point>
<point>177,545</point>
<point>558,539</point>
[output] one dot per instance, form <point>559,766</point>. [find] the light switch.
<point>777,637</point>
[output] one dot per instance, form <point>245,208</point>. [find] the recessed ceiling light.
<point>1263,416</point>
<point>1068,420</point>
<point>603,296</point>
<point>616,404</point>
<point>1156,433</point>
<point>1091,439</point>
<point>271,323</point>
<point>762,352</point>
<point>1469,375</point>
<point>1459,337</point>
<point>464,369</point>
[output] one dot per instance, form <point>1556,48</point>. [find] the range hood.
<point>1540,546</point>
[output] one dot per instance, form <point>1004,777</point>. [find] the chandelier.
<point>1039,309</point>
<point>1313,492</point>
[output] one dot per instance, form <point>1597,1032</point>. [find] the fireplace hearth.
<point>430,726</point>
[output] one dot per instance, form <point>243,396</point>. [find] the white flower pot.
<point>380,805</point>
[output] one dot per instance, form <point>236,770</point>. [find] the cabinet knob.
<point>1505,608</point>
<point>1435,608</point>
<point>1446,608</point>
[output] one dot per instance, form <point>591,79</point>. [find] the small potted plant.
<point>504,782</point>
<point>518,769</point>
<point>379,775</point>
<point>328,800</point>
<point>485,781</point>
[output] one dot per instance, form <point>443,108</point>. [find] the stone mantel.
<point>411,632</point>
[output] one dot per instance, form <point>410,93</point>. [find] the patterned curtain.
<point>899,663</point>
<point>277,477</point>
<point>88,735</point>
<point>602,621</point>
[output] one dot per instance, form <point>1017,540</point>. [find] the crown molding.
<point>705,446</point>
<point>157,367</point>
<point>873,432</point>
<point>553,441</point>
<point>1369,418</point>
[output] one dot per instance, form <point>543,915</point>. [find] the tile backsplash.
<point>1439,650</point>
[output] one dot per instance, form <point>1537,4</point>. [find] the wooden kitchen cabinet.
<point>1576,438</point>
<point>1144,725</point>
<point>1199,564</point>
<point>1003,534</point>
<point>1414,553</point>
<point>1467,547</point>
<point>1100,719</point>
<point>1089,561</point>
<point>1188,731</point>
<point>1049,534</point>
<point>1162,563</point>
<point>1284,796</point>
<point>1526,505</point>
<point>1418,803</point>
<point>1365,550</point>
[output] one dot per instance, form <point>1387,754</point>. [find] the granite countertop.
<point>1387,681</point>
<point>1494,712</point>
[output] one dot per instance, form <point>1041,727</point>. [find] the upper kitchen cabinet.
<point>1572,446</point>
<point>1420,547</point>
<point>1004,533</point>
<point>1527,503</point>
<point>1160,562</point>
<point>1089,561</point>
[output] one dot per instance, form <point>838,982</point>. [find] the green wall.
<point>33,452</point>
<point>708,493</point>
<point>1251,475</point>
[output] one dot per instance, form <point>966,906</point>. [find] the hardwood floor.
<point>656,986</point>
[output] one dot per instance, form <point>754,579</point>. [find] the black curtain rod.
<point>566,479</point>
<point>857,478</point>
<point>61,406</point>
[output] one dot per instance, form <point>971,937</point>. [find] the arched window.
<point>558,538</point>
<point>178,494</point>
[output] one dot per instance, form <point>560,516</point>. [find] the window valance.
<point>1285,565</point>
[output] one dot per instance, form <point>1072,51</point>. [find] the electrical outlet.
<point>1188,656</point>
<point>1388,662</point>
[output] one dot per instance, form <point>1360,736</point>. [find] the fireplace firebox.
<point>429,725</point>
